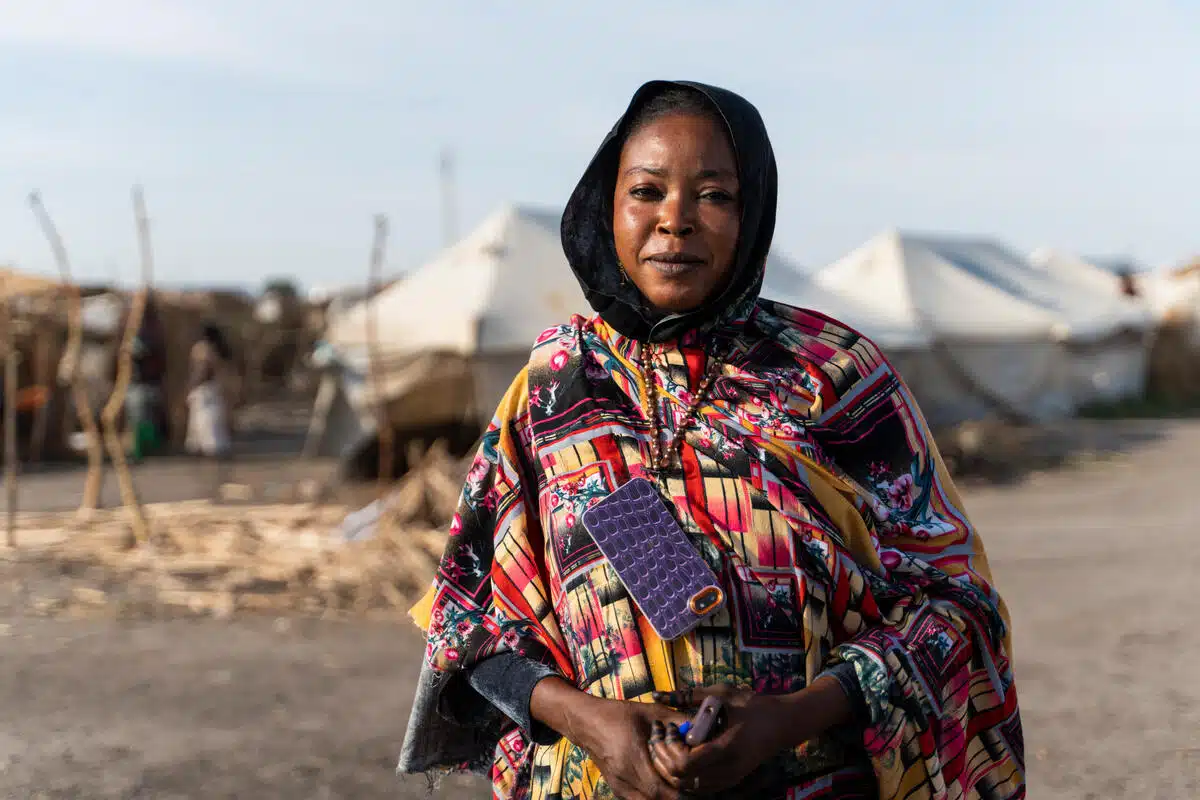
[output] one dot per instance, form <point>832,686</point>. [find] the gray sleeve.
<point>847,678</point>
<point>851,733</point>
<point>506,680</point>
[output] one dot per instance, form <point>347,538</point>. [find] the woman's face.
<point>676,210</point>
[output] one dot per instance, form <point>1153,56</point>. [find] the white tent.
<point>507,281</point>
<point>1076,271</point>
<point>471,315</point>
<point>1088,314</point>
<point>995,327</point>
<point>1107,338</point>
<point>965,345</point>
<point>795,286</point>
<point>1114,367</point>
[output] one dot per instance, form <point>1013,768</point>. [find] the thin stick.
<point>108,417</point>
<point>383,427</point>
<point>69,367</point>
<point>10,422</point>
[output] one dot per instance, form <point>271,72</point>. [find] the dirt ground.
<point>1096,560</point>
<point>1099,565</point>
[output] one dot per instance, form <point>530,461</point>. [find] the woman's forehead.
<point>693,144</point>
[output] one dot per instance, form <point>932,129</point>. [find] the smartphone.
<point>651,553</point>
<point>701,727</point>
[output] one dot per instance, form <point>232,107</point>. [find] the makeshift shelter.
<point>1076,271</point>
<point>967,342</point>
<point>788,283</point>
<point>25,287</point>
<point>38,336</point>
<point>1173,295</point>
<point>451,335</point>
<point>1111,365</point>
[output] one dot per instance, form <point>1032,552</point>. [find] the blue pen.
<point>685,727</point>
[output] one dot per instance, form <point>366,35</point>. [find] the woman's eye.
<point>645,193</point>
<point>717,196</point>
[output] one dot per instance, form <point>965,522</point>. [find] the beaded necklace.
<point>660,457</point>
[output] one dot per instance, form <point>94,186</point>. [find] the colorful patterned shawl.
<point>812,485</point>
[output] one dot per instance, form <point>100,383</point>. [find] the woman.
<point>145,414</point>
<point>863,651</point>
<point>208,418</point>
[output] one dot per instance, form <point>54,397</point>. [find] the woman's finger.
<point>662,768</point>
<point>668,753</point>
<point>658,736</point>
<point>647,780</point>
<point>707,765</point>
<point>657,760</point>
<point>674,748</point>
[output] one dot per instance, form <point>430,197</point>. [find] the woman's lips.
<point>673,264</point>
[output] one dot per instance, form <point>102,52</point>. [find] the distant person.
<point>862,649</point>
<point>210,363</point>
<point>145,409</point>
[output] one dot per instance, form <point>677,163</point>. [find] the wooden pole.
<point>383,426</point>
<point>108,417</point>
<point>10,423</point>
<point>69,367</point>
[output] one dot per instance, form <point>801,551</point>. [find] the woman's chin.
<point>677,299</point>
<point>680,307</point>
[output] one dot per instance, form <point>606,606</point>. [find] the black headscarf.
<point>587,235</point>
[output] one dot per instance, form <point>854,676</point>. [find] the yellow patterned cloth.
<point>810,484</point>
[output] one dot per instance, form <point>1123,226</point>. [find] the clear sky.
<point>267,132</point>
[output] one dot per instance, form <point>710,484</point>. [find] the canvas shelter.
<point>1077,271</point>
<point>790,283</point>
<point>1106,336</point>
<point>1113,365</point>
<point>969,342</point>
<point>452,334</point>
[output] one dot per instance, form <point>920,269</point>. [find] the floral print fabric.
<point>810,484</point>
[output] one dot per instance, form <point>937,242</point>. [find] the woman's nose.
<point>676,218</point>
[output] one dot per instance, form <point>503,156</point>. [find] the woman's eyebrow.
<point>661,172</point>
<point>649,169</point>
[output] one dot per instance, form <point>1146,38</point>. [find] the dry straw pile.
<point>213,559</point>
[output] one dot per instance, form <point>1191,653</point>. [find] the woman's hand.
<point>752,732</point>
<point>756,728</point>
<point>617,743</point>
<point>614,733</point>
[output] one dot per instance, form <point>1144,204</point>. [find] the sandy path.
<point>202,709</point>
<point>1099,568</point>
<point>1097,564</point>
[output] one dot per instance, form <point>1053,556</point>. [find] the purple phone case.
<point>652,556</point>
